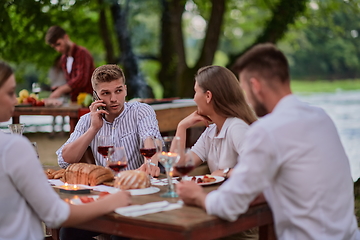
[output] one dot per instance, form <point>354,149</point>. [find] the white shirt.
<point>295,156</point>
<point>221,151</point>
<point>137,120</point>
<point>69,63</point>
<point>26,197</point>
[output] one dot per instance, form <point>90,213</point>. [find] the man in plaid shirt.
<point>76,62</point>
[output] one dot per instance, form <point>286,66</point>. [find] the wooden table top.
<point>185,223</point>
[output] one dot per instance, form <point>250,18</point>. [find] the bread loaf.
<point>87,174</point>
<point>132,179</point>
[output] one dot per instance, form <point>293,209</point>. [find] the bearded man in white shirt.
<point>293,155</point>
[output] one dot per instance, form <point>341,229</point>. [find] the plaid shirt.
<point>79,79</point>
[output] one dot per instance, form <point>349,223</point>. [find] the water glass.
<point>17,128</point>
<point>168,159</point>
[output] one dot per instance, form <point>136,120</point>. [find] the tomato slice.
<point>85,199</point>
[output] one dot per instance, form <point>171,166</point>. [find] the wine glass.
<point>17,128</point>
<point>116,159</point>
<point>168,157</point>
<point>105,142</point>
<point>36,88</point>
<point>185,165</point>
<point>148,148</point>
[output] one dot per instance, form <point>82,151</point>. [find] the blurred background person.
<point>76,62</point>
<point>57,79</point>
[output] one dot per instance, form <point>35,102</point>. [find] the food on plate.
<point>204,179</point>
<point>87,199</point>
<point>87,174</point>
<point>53,174</point>
<point>132,179</point>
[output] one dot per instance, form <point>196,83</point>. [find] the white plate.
<point>77,201</point>
<point>218,179</point>
<point>144,191</point>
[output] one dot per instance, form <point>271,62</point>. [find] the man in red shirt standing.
<point>76,62</point>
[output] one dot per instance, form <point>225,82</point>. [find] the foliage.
<point>301,86</point>
<point>324,43</point>
<point>173,38</point>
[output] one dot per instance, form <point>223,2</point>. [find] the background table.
<point>167,114</point>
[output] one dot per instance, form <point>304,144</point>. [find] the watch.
<point>225,172</point>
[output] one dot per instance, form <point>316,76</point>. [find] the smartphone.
<point>96,97</point>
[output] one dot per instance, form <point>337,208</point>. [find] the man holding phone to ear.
<point>125,122</point>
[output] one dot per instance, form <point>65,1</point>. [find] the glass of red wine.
<point>185,165</point>
<point>117,160</point>
<point>148,148</point>
<point>105,142</point>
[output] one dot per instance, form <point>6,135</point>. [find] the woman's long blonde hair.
<point>227,96</point>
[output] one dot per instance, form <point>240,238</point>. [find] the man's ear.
<point>208,96</point>
<point>255,85</point>
<point>125,89</point>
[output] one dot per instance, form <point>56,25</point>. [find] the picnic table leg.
<point>16,119</point>
<point>267,232</point>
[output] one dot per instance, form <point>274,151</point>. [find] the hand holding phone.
<point>96,97</point>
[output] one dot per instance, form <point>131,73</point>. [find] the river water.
<point>342,106</point>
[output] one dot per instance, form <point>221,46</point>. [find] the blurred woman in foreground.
<point>27,198</point>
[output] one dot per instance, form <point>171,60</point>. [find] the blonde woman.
<point>220,101</point>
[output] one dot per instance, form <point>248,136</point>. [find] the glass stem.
<point>170,184</point>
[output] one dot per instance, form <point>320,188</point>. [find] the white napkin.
<point>55,182</point>
<point>163,182</point>
<point>154,207</point>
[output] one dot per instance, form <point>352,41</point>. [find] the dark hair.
<point>107,73</point>
<point>227,96</point>
<point>53,34</point>
<point>264,60</point>
<point>5,72</point>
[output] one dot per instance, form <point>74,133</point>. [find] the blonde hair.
<point>227,96</point>
<point>107,73</point>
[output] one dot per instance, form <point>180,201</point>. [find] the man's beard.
<point>258,107</point>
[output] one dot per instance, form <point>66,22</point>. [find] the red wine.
<point>117,166</point>
<point>183,170</point>
<point>103,150</point>
<point>148,152</point>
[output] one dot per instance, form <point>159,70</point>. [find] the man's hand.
<point>152,170</point>
<point>191,193</point>
<point>96,115</point>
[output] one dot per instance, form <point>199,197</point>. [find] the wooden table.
<point>168,115</point>
<point>185,223</point>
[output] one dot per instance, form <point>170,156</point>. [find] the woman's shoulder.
<point>236,122</point>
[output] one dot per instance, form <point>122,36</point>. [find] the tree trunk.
<point>209,47</point>
<point>175,75</point>
<point>284,14</point>
<point>172,53</point>
<point>136,85</point>
<point>105,34</point>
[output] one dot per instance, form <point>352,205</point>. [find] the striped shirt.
<point>137,120</point>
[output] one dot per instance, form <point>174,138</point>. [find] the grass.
<point>308,87</point>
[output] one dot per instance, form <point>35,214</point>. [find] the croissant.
<point>132,179</point>
<point>87,174</point>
